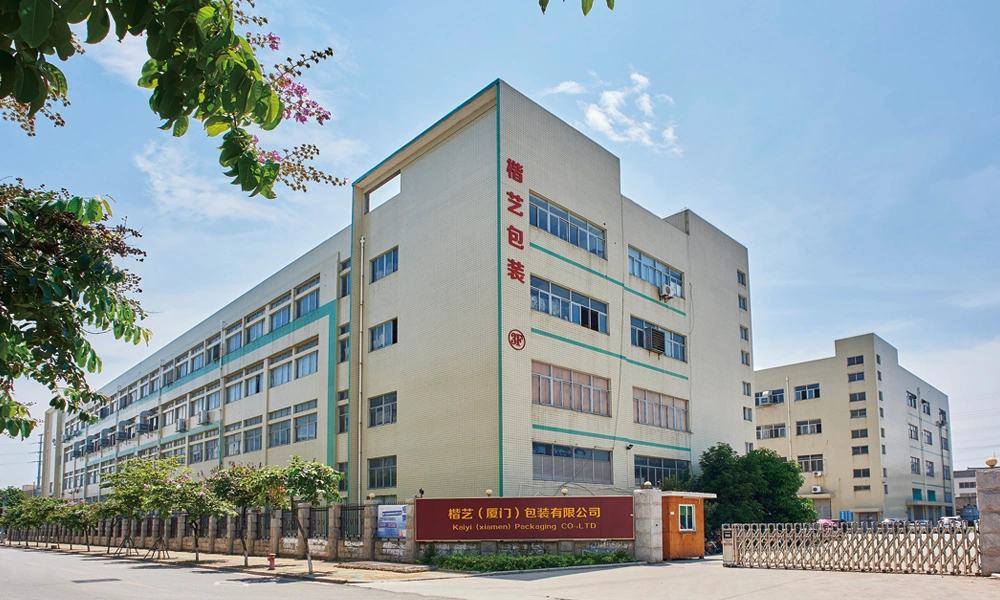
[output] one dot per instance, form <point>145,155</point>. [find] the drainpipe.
<point>788,412</point>
<point>361,360</point>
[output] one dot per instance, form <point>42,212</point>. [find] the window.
<point>345,265</point>
<point>658,410</point>
<point>382,472</point>
<point>747,447</point>
<point>743,302</point>
<point>883,448</point>
<point>563,224</point>
<point>232,444</point>
<point>945,445</point>
<point>345,285</point>
<point>305,427</point>
<point>882,430</point>
<point>304,406</point>
<point>747,414</point>
<point>559,302</point>
<point>929,468</point>
<point>878,375</point>
<point>198,361</point>
<point>253,385</point>
<point>914,432</point>
<point>685,514</point>
<point>655,272</point>
<point>342,395</point>
<point>881,412</point>
<point>212,449</point>
<point>342,418</point>
<point>811,427</point>
<point>885,472</point>
<point>741,278</point>
<point>911,399</point>
<point>382,335</point>
<point>195,454</point>
<point>382,410</point>
<point>859,413</point>
<point>252,440</point>
<point>928,437</point>
<point>859,376</point>
<point>344,329</point>
<point>655,338</point>
<point>342,468</point>
<point>306,365</point>
<point>282,317</point>
<point>744,333</point>
<point>281,374</point>
<point>967,485</point>
<point>657,470</point>
<point>855,360</point>
<point>279,434</point>
<point>862,488</point>
<point>880,396</point>
<point>925,407</point>
<point>807,392</point>
<point>773,397</point>
<point>181,370</point>
<point>747,389</point>
<point>386,264</point>
<point>859,433</point>
<point>309,302</point>
<point>344,350</point>
<point>234,392</point>
<point>858,397</point>
<point>234,338</point>
<point>859,450</point>
<point>552,462</point>
<point>931,496</point>
<point>572,390</point>
<point>914,465</point>
<point>945,472</point>
<point>769,432</point>
<point>918,494</point>
<point>862,473</point>
<point>811,462</point>
<point>277,414</point>
<point>256,329</point>
<point>745,357</point>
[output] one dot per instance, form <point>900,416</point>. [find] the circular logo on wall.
<point>516,339</point>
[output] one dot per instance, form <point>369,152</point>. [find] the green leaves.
<point>99,23</point>
<point>586,5</point>
<point>36,16</point>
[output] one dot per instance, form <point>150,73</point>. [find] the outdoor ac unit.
<point>765,398</point>
<point>204,418</point>
<point>657,341</point>
<point>817,489</point>
<point>817,473</point>
<point>666,291</point>
<point>182,425</point>
<point>144,427</point>
<point>76,453</point>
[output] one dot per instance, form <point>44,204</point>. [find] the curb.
<point>551,569</point>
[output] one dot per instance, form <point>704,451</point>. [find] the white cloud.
<point>627,114</point>
<point>184,184</point>
<point>123,59</point>
<point>566,87</point>
<point>973,301</point>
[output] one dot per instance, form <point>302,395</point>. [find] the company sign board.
<point>391,524</point>
<point>513,519</point>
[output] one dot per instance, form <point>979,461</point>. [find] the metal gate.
<point>865,547</point>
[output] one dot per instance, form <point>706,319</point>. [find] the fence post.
<point>333,532</point>
<point>251,531</point>
<point>276,532</point>
<point>410,543</point>
<point>181,530</point>
<point>648,510</point>
<point>368,529</point>
<point>230,533</point>
<point>213,524</point>
<point>988,499</point>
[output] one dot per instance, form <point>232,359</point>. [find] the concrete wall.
<point>988,499</point>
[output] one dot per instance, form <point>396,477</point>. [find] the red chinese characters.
<point>515,270</point>
<point>515,171</point>
<point>515,237</point>
<point>516,202</point>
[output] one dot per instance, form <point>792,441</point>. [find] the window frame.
<point>690,517</point>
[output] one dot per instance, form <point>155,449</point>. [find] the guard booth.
<point>684,524</point>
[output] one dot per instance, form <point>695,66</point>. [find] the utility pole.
<point>38,477</point>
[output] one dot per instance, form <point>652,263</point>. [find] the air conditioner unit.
<point>765,398</point>
<point>657,341</point>
<point>817,473</point>
<point>182,425</point>
<point>666,291</point>
<point>817,489</point>
<point>144,427</point>
<point>76,454</point>
<point>204,418</point>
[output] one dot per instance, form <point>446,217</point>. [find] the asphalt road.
<point>43,575</point>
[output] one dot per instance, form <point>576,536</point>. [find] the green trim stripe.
<point>603,276</point>
<point>499,312</point>
<point>613,438</point>
<point>608,353</point>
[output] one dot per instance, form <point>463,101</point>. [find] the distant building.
<point>508,321</point>
<point>965,487</point>
<point>873,439</point>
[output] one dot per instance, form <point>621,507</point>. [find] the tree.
<point>244,487</point>
<point>11,500</point>
<point>59,279</point>
<point>132,485</point>
<point>585,4</point>
<point>309,482</point>
<point>181,493</point>
<point>758,487</point>
<point>76,516</point>
<point>35,512</point>
<point>199,69</point>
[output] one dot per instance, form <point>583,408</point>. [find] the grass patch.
<point>511,562</point>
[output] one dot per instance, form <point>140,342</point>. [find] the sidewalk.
<point>327,572</point>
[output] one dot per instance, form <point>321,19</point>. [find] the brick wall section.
<point>988,498</point>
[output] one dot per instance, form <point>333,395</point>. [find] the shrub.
<point>510,562</point>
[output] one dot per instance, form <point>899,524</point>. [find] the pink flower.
<point>274,41</point>
<point>201,494</point>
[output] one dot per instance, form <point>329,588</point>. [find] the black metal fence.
<point>319,523</point>
<point>221,526</point>
<point>288,528</point>
<point>264,525</point>
<point>352,521</point>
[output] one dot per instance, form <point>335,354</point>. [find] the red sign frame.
<point>523,519</point>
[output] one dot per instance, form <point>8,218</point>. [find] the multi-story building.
<point>873,439</point>
<point>965,491</point>
<point>506,321</point>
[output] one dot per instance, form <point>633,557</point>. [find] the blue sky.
<point>850,147</point>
